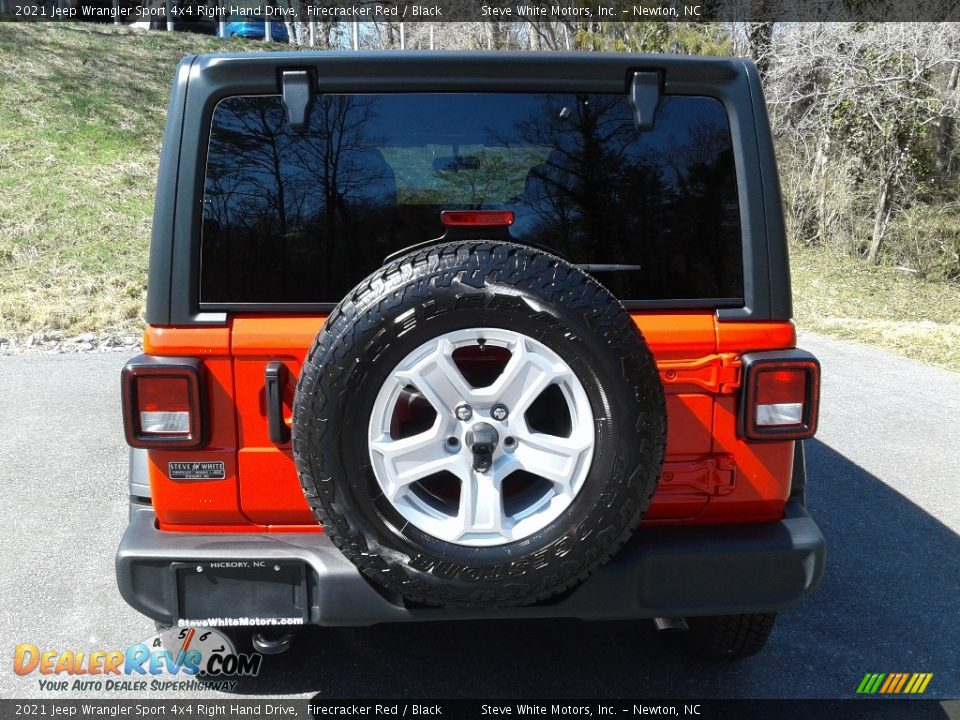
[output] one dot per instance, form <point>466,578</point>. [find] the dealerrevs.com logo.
<point>187,658</point>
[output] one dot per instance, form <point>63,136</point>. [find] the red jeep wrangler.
<point>438,336</point>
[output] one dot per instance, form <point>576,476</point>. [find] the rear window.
<point>301,218</point>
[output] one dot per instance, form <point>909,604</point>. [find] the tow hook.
<point>665,624</point>
<point>482,440</point>
<point>272,645</point>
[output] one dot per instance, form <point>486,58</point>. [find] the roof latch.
<point>297,97</point>
<point>644,97</point>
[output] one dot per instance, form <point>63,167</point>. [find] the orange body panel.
<point>210,502</point>
<point>710,475</point>
<point>739,337</point>
<point>267,494</point>
<point>678,336</point>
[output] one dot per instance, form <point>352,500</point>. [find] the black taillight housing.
<point>164,402</point>
<point>780,398</point>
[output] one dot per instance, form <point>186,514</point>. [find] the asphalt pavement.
<point>884,485</point>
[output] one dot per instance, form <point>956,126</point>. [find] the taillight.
<point>781,395</point>
<point>476,218</point>
<point>163,402</point>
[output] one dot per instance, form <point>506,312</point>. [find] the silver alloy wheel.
<point>554,466</point>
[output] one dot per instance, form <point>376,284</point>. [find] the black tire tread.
<point>728,637</point>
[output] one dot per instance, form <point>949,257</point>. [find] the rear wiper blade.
<point>595,267</point>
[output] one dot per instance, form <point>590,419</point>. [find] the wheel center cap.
<point>482,440</point>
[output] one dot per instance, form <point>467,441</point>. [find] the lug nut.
<point>499,412</point>
<point>464,412</point>
<point>509,443</point>
<point>453,443</point>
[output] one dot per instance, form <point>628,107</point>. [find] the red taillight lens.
<point>162,402</point>
<point>476,218</point>
<point>781,396</point>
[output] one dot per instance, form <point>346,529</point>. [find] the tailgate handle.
<point>276,381</point>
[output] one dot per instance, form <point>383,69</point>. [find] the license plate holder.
<point>241,592</point>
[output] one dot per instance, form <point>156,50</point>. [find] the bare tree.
<point>863,98</point>
<point>946,138</point>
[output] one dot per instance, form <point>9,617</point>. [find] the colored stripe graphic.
<point>903,680</point>
<point>918,683</point>
<point>891,680</point>
<point>870,683</point>
<point>894,683</point>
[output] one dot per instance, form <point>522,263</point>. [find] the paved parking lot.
<point>883,485</point>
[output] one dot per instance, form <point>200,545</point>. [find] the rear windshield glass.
<point>303,217</point>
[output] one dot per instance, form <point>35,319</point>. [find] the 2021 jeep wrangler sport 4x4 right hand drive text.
<point>439,336</point>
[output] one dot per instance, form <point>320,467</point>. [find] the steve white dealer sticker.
<point>196,470</point>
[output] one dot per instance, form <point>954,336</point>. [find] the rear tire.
<point>728,637</point>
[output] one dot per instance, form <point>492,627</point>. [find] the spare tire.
<point>479,424</point>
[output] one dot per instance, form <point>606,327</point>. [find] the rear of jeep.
<point>469,336</point>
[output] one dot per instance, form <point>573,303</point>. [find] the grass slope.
<point>81,119</point>
<point>881,306</point>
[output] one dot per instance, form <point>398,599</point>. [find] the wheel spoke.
<point>525,377</point>
<point>414,458</point>
<point>551,457</point>
<point>438,379</point>
<point>481,505</point>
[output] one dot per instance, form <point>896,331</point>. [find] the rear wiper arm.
<point>600,267</point>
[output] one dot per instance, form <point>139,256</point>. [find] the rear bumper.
<point>661,572</point>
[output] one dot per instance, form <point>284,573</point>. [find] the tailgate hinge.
<point>712,476</point>
<point>717,373</point>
